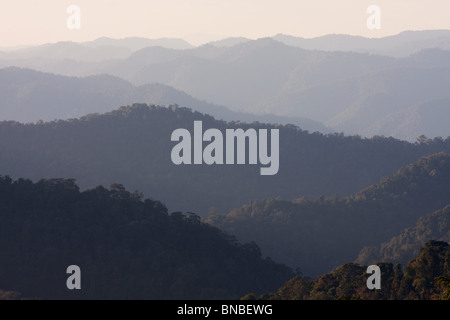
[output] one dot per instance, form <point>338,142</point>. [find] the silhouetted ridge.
<point>126,247</point>
<point>318,235</point>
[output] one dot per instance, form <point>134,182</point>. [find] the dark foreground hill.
<point>319,235</point>
<point>426,277</point>
<point>126,247</point>
<point>133,145</point>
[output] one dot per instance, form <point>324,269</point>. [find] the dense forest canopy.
<point>336,204</point>
<point>406,245</point>
<point>318,235</point>
<point>127,247</point>
<point>133,145</point>
<point>426,277</point>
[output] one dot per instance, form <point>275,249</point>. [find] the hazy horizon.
<point>200,43</point>
<point>201,21</point>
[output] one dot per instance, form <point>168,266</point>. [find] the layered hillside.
<point>133,145</point>
<point>318,235</point>
<point>406,245</point>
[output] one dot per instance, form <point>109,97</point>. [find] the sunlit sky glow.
<point>25,22</point>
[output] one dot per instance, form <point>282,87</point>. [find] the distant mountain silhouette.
<point>69,51</point>
<point>430,117</point>
<point>350,91</point>
<point>93,51</point>
<point>228,42</point>
<point>402,44</point>
<point>137,43</point>
<point>29,96</point>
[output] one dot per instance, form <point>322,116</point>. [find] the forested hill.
<point>133,145</point>
<point>125,246</point>
<point>419,279</point>
<point>406,245</point>
<point>319,235</point>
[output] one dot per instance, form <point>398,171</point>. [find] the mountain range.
<point>30,96</point>
<point>132,145</point>
<point>400,45</point>
<point>87,174</point>
<point>318,235</point>
<point>386,222</point>
<point>356,92</point>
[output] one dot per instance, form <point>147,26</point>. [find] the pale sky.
<point>26,22</point>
